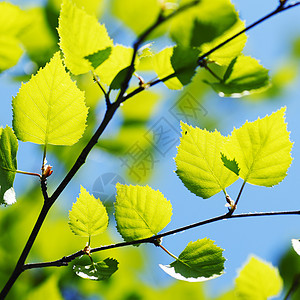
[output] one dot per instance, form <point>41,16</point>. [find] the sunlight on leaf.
<point>88,216</point>
<point>262,149</point>
<point>296,245</point>
<point>80,35</point>
<point>141,212</point>
<point>243,76</point>
<point>8,165</point>
<point>101,270</point>
<point>258,280</point>
<point>199,164</point>
<point>50,109</point>
<point>199,261</point>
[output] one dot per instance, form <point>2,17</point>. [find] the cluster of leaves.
<point>51,110</point>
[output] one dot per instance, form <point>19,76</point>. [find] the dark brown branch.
<point>153,240</point>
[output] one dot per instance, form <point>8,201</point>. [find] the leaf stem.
<point>106,95</point>
<point>28,173</point>
<point>168,252</point>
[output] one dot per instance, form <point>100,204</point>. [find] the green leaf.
<point>232,165</point>
<point>99,57</point>
<point>199,261</point>
<point>116,84</point>
<point>119,59</point>
<point>228,52</point>
<point>8,165</point>
<point>137,15</point>
<point>88,216</point>
<point>141,212</point>
<point>258,280</point>
<point>199,164</point>
<point>243,76</point>
<point>48,288</point>
<point>296,245</point>
<point>80,35</point>
<point>184,62</point>
<point>262,149</point>
<point>203,23</point>
<point>101,270</point>
<point>50,109</point>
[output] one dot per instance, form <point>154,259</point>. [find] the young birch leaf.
<point>296,245</point>
<point>101,270</point>
<point>258,280</point>
<point>8,165</point>
<point>243,76</point>
<point>199,164</point>
<point>50,109</point>
<point>80,35</point>
<point>262,149</point>
<point>141,212</point>
<point>199,261</point>
<point>88,216</point>
<point>99,57</point>
<point>116,84</point>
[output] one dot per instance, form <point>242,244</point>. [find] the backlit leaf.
<point>101,270</point>
<point>8,165</point>
<point>199,261</point>
<point>203,23</point>
<point>137,15</point>
<point>243,76</point>
<point>50,109</point>
<point>199,164</point>
<point>141,212</point>
<point>88,216</point>
<point>262,149</point>
<point>80,35</point>
<point>258,280</point>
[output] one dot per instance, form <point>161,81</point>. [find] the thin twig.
<point>106,95</point>
<point>153,240</point>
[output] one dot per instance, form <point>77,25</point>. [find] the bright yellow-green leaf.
<point>225,54</point>
<point>10,51</point>
<point>199,163</point>
<point>48,289</point>
<point>38,39</point>
<point>136,14</point>
<point>50,109</point>
<point>203,23</point>
<point>80,35</point>
<point>12,22</point>
<point>163,67</point>
<point>140,107</point>
<point>258,280</point>
<point>8,165</point>
<point>119,59</point>
<point>88,216</point>
<point>262,149</point>
<point>243,76</point>
<point>141,212</point>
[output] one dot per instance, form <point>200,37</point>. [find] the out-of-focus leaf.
<point>101,270</point>
<point>8,165</point>
<point>50,109</point>
<point>141,211</point>
<point>88,216</point>
<point>199,261</point>
<point>258,280</point>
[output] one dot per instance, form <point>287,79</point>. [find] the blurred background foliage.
<point>30,35</point>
